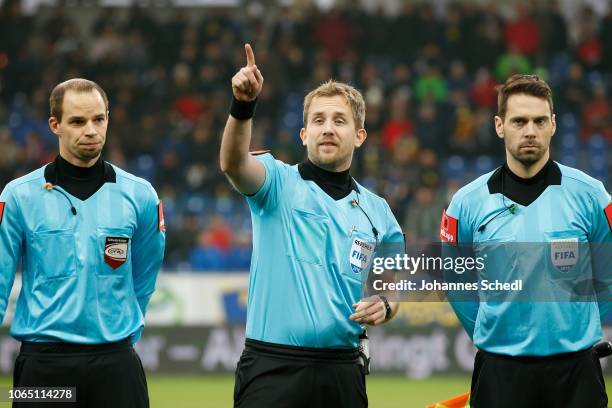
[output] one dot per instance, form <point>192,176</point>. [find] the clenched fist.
<point>247,83</point>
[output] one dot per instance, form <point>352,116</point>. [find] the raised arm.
<point>245,172</point>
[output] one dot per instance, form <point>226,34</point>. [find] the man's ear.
<point>554,124</point>
<point>362,135</point>
<point>54,125</point>
<point>499,127</point>
<point>303,136</point>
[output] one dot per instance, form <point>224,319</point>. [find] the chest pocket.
<point>114,251</point>
<point>498,249</point>
<point>53,254</point>
<point>502,259</point>
<point>308,238</point>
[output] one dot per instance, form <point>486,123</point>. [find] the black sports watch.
<point>388,310</point>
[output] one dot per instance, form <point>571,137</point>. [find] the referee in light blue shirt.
<point>90,238</point>
<point>550,226</point>
<point>314,232</point>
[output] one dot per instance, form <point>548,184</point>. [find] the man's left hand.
<point>370,310</point>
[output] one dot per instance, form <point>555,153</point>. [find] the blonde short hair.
<point>333,88</point>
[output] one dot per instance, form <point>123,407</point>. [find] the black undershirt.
<point>80,182</point>
<point>524,190</point>
<point>335,184</point>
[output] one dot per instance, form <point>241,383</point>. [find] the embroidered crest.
<point>564,253</point>
<point>116,251</point>
<point>361,254</point>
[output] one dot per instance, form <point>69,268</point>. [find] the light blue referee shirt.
<point>310,256</point>
<point>86,278</point>
<point>569,217</point>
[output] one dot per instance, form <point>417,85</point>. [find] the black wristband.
<point>388,310</point>
<point>242,110</point>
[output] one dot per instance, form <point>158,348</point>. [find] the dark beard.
<point>528,160</point>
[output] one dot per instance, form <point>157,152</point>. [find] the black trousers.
<point>105,375</point>
<point>277,376</point>
<point>571,380</point>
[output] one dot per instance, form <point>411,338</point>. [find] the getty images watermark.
<point>562,270</point>
<point>457,265</point>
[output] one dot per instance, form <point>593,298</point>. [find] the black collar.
<point>336,184</point>
<point>524,190</point>
<point>61,166</point>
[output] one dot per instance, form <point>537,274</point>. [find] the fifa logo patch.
<point>361,255</point>
<point>564,253</point>
<point>116,251</point>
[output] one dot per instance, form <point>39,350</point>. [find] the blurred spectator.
<point>404,26</point>
<point>463,139</point>
<point>457,77</point>
<point>428,28</point>
<point>15,29</point>
<point>605,38</point>
<point>430,86</point>
<point>398,125</point>
<point>589,50</point>
<point>182,238</point>
<point>207,257</point>
<point>334,33</point>
<point>456,35</point>
<point>10,153</point>
<point>422,219</point>
<point>553,29</point>
<point>214,245</point>
<point>522,34</point>
<point>487,43</point>
<point>572,93</point>
<point>513,62</point>
<point>430,129</point>
<point>597,115</point>
<point>483,92</point>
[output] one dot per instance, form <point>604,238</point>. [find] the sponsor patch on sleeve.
<point>1,211</point>
<point>607,211</point>
<point>161,224</point>
<point>448,228</point>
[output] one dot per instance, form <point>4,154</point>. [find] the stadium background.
<point>428,71</point>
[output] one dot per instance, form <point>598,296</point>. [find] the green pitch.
<point>383,391</point>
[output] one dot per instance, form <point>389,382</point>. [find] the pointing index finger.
<point>249,55</point>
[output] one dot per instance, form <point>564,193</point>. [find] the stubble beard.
<point>528,159</point>
<point>327,162</point>
<point>86,155</point>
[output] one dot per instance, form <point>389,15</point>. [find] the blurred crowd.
<point>428,77</point>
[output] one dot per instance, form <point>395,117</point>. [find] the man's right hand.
<point>247,83</point>
<point>244,171</point>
